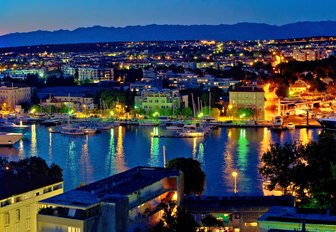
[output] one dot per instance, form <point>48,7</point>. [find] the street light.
<point>235,174</point>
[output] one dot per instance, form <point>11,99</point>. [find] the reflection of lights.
<point>111,154</point>
<point>154,151</point>
<point>33,140</point>
<point>85,159</point>
<point>242,150</point>
<point>194,147</point>
<point>235,174</point>
<point>120,151</point>
<point>200,153</point>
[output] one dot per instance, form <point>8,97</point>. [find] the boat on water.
<point>278,123</point>
<point>8,139</point>
<point>290,126</point>
<point>71,131</point>
<point>51,122</point>
<point>175,126</point>
<point>327,123</point>
<point>14,128</point>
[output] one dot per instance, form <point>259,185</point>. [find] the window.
<point>6,218</point>
<point>17,215</point>
<point>28,225</point>
<point>28,211</point>
<point>73,229</point>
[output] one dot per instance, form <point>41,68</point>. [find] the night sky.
<point>29,15</point>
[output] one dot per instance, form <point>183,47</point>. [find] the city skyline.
<point>20,16</point>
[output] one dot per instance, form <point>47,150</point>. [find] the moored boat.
<point>12,127</point>
<point>8,139</point>
<point>290,126</point>
<point>327,123</point>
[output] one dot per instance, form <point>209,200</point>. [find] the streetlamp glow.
<point>235,174</point>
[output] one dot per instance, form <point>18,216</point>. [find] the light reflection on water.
<point>85,159</point>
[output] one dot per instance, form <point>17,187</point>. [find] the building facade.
<point>18,202</point>
<point>249,97</point>
<point>123,202</point>
<point>12,96</point>
<point>95,74</point>
<point>155,100</point>
<point>294,219</point>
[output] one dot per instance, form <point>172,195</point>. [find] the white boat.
<point>8,139</point>
<point>327,123</point>
<point>175,126</point>
<point>290,126</point>
<point>193,130</point>
<point>191,133</point>
<point>12,127</point>
<point>88,131</point>
<point>71,131</point>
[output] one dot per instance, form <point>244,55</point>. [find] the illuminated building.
<point>12,96</point>
<point>298,87</point>
<point>95,74</point>
<point>122,202</point>
<point>19,196</point>
<point>158,99</point>
<point>294,219</point>
<point>22,73</point>
<point>248,97</point>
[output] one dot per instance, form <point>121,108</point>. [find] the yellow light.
<point>234,174</point>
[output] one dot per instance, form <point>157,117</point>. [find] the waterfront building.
<point>12,96</point>
<point>248,97</point>
<point>294,219</point>
<point>123,202</point>
<point>95,74</point>
<point>19,196</point>
<point>153,99</point>
<point>22,73</point>
<point>78,103</point>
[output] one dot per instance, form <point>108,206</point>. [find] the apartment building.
<point>19,196</point>
<point>123,202</point>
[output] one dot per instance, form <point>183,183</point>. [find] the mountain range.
<point>239,31</point>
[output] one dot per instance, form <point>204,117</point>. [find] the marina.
<point>88,158</point>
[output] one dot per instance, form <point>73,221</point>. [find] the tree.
<point>306,171</point>
<point>210,221</point>
<point>194,177</point>
<point>175,219</point>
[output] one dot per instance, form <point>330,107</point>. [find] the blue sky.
<point>29,15</point>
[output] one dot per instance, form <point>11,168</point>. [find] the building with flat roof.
<point>19,196</point>
<point>238,213</point>
<point>295,219</point>
<point>123,202</point>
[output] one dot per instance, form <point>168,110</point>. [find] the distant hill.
<point>239,31</point>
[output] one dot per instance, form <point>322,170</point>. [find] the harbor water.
<point>89,158</point>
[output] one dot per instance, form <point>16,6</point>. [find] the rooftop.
<point>120,185</point>
<point>12,184</point>
<point>246,89</point>
<point>291,214</point>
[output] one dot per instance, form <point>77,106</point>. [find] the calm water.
<point>85,159</point>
